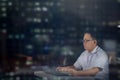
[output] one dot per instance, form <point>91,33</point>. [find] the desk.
<point>47,76</point>
<point>44,74</point>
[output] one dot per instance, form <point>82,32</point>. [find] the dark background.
<point>48,31</point>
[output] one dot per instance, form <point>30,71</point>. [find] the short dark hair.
<point>93,34</point>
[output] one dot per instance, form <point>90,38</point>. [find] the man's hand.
<point>68,70</point>
<point>62,69</point>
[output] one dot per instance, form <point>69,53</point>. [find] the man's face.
<point>88,42</point>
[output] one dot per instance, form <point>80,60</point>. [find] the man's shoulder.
<point>102,52</point>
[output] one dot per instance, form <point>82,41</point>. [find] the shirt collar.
<point>94,50</point>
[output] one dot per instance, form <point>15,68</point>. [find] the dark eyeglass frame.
<point>85,41</point>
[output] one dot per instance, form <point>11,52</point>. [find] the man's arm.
<point>65,69</point>
<point>89,72</point>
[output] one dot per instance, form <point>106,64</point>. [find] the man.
<point>92,62</point>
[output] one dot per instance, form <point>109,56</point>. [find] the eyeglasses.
<point>85,41</point>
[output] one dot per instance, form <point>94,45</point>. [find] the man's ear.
<point>95,41</point>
